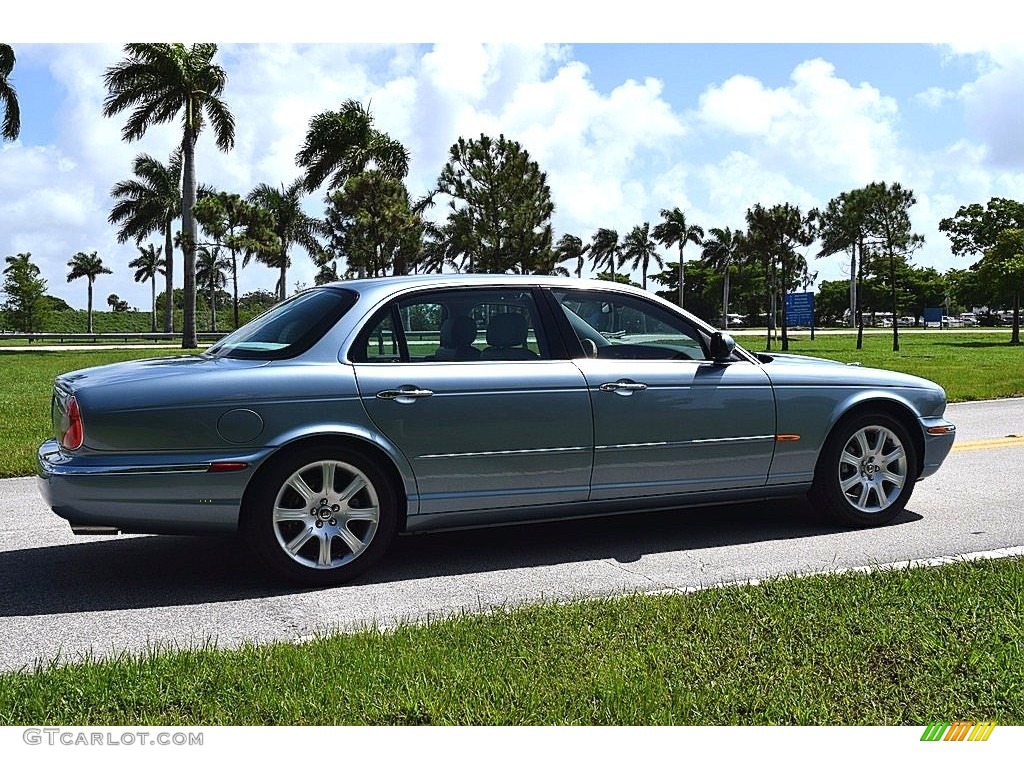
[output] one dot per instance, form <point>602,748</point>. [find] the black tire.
<point>866,472</point>
<point>315,535</point>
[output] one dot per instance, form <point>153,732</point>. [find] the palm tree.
<point>147,204</point>
<point>291,225</point>
<point>571,248</point>
<point>88,265</point>
<point>158,81</point>
<point>343,143</point>
<point>211,269</point>
<point>720,254</point>
<point>8,96</point>
<point>675,231</point>
<point>146,266</point>
<point>639,247</point>
<point>604,250</point>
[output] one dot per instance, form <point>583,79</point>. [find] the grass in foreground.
<point>896,648</point>
<point>26,383</point>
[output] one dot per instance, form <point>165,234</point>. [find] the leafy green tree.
<point>502,203</point>
<point>674,230</point>
<point>89,266</point>
<point>720,249</point>
<point>842,227</point>
<point>25,289</point>
<point>211,267</point>
<point>571,248</point>
<point>290,225</point>
<point>147,204</point>
<point>639,247</point>
<point>237,226</point>
<point>147,265</point>
<point>1003,264</point>
<point>888,221</point>
<point>605,251</point>
<point>116,303</point>
<point>990,231</point>
<point>159,81</point>
<point>343,143</point>
<point>705,288</point>
<point>372,224</point>
<point>773,235</point>
<point>11,127</point>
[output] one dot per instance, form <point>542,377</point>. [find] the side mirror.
<point>722,346</point>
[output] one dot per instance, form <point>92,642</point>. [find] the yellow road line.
<point>991,442</point>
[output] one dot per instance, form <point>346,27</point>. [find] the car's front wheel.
<point>866,472</point>
<point>321,516</point>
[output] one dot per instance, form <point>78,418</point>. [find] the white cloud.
<point>819,123</point>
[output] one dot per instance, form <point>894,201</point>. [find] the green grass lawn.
<point>893,648</point>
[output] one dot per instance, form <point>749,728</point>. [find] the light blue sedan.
<point>355,411</point>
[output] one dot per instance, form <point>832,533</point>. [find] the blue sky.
<point>622,129</point>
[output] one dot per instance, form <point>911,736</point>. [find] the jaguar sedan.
<point>359,410</point>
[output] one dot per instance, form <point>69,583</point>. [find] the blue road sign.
<point>800,309</point>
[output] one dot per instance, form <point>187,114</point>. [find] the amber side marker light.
<point>75,436</point>
<point>227,466</point>
<point>944,430</point>
<point>786,438</point>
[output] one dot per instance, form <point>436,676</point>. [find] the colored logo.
<point>958,730</point>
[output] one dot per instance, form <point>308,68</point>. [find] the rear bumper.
<point>939,435</point>
<point>143,494</point>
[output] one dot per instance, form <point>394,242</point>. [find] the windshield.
<point>288,329</point>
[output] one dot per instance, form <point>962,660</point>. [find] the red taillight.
<point>75,435</point>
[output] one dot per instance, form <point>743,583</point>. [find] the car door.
<point>666,419</point>
<point>487,416</point>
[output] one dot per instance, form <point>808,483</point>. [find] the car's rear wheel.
<point>321,516</point>
<point>866,472</point>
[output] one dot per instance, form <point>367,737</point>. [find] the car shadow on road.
<point>152,571</point>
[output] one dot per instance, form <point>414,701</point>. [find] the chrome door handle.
<point>404,394</point>
<point>623,386</point>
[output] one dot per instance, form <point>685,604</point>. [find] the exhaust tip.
<point>94,530</point>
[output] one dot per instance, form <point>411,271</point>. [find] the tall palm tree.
<point>639,247</point>
<point>343,143</point>
<point>146,266</point>
<point>90,266</point>
<point>211,275</point>
<point>291,225</point>
<point>674,230</point>
<point>720,253</point>
<point>570,248</point>
<point>157,81</point>
<point>8,96</point>
<point>147,204</point>
<point>605,251</point>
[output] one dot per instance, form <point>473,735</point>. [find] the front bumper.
<point>939,435</point>
<point>148,493</point>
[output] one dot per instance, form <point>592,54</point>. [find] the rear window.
<point>288,329</point>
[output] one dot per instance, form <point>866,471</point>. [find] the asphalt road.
<point>65,597</point>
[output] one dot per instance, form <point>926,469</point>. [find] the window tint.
<point>455,326</point>
<point>628,328</point>
<point>288,329</point>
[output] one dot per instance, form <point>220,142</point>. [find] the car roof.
<point>379,287</point>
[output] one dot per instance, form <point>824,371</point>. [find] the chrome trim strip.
<point>521,452</point>
<point>678,443</point>
<point>181,469</point>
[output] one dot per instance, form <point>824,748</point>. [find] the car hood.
<point>149,370</point>
<point>801,370</point>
